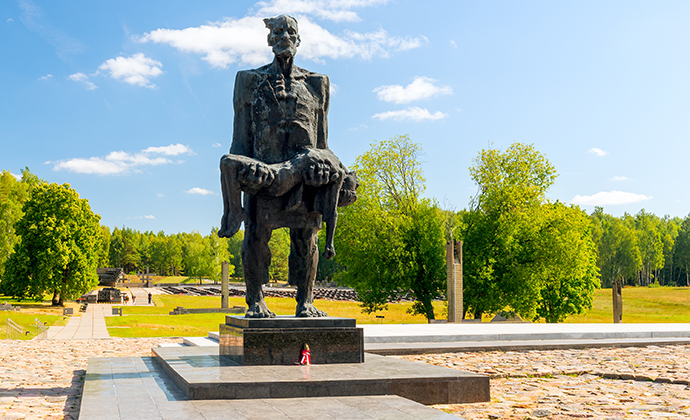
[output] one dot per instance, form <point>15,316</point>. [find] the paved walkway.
<point>90,325</point>
<point>141,294</point>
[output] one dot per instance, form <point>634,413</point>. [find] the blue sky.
<point>131,102</point>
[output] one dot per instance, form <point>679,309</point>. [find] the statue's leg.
<point>256,257</point>
<point>233,213</point>
<point>303,260</point>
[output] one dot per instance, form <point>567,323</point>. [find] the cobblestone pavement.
<point>614,383</point>
<point>43,379</point>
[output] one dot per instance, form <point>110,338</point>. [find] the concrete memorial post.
<point>454,278</point>
<point>224,279</point>
<point>617,292</point>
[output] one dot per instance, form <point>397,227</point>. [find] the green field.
<point>30,311</point>
<point>640,305</point>
<point>154,321</point>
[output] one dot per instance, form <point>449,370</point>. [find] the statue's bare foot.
<point>230,224</point>
<point>309,311</point>
<point>329,252</point>
<point>259,310</point>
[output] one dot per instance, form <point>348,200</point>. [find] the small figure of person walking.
<point>149,298</point>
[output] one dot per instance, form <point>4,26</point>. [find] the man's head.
<point>283,35</point>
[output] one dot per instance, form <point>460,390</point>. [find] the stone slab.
<point>200,373</point>
<point>285,321</point>
<point>476,332</point>
<point>120,388</point>
<point>426,347</point>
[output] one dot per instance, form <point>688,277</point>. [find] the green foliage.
<point>522,252</point>
<point>681,253</point>
<point>203,255</point>
<point>13,195</point>
<point>391,240</point>
<point>280,252</point>
<point>60,236</point>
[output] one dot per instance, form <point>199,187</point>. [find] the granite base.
<point>279,341</point>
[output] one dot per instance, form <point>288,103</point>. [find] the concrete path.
<point>90,325</point>
<point>141,294</point>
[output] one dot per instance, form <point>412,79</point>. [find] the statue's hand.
<point>320,173</point>
<point>256,176</point>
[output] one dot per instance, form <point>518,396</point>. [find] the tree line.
<point>522,252</point>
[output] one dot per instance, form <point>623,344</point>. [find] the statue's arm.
<point>241,134</point>
<point>321,85</point>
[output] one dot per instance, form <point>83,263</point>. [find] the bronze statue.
<point>280,159</point>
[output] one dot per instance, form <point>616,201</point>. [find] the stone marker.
<point>454,276</point>
<point>224,293</point>
<point>617,291</point>
<point>145,277</point>
<point>280,160</point>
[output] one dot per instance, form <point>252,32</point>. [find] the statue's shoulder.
<point>247,76</point>
<point>318,81</point>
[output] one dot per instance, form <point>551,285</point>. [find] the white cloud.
<point>359,127</point>
<point>81,77</point>
<point>172,150</point>
<point>335,10</point>
<point>9,20</point>
<point>199,191</point>
<point>19,177</point>
<point>135,70</point>
<point>148,216</point>
<point>244,40</point>
<point>610,198</point>
<point>597,151</point>
<point>121,162</point>
<point>413,113</point>
<point>420,88</point>
<point>333,88</point>
<point>46,77</point>
<point>619,178</point>
<point>216,145</point>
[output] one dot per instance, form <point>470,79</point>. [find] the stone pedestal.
<point>279,341</point>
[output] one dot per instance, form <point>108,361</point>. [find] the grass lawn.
<point>154,321</point>
<point>640,305</point>
<point>32,310</point>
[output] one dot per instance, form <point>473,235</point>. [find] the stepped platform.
<point>200,373</point>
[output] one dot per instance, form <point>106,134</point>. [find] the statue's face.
<point>284,37</point>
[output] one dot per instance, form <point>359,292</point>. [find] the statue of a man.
<point>280,159</point>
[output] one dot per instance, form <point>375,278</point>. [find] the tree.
<point>682,252</point>
<point>197,258</point>
<point>391,240</point>
<point>124,249</point>
<point>517,244</point>
<point>566,263</point>
<point>60,237</point>
<point>13,195</point>
<point>618,251</point>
